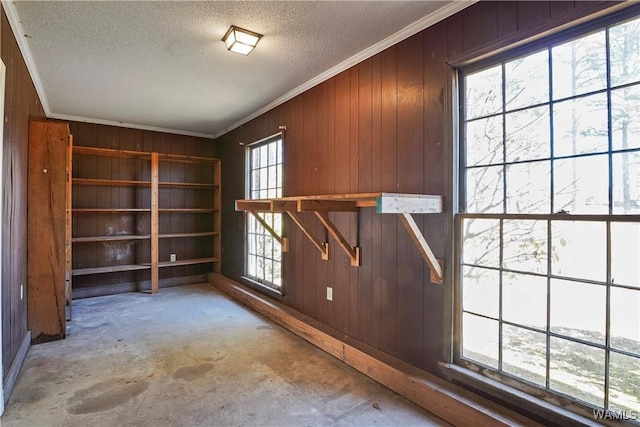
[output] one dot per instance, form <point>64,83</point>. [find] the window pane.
<point>624,380</point>
<point>481,242</point>
<point>578,310</point>
<point>581,185</point>
<point>580,126</point>
<point>625,320</point>
<point>524,299</point>
<point>480,339</point>
<point>579,249</point>
<point>579,66</point>
<point>525,246</point>
<point>481,291</point>
<point>524,354</point>
<point>624,41</point>
<point>528,135</point>
<point>626,183</point>
<point>577,370</point>
<point>625,253</point>
<point>484,92</point>
<point>251,259</point>
<point>527,80</point>
<point>484,141</point>
<point>625,117</point>
<point>529,187</point>
<point>484,190</point>
<point>264,156</point>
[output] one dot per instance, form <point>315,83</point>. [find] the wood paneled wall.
<point>21,103</point>
<point>378,126</point>
<point>132,252</point>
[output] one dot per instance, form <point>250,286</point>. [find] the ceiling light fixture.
<point>239,40</point>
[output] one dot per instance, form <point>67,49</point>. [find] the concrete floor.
<point>190,356</point>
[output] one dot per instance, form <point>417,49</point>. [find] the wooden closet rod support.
<point>284,242</point>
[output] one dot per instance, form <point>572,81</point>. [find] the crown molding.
<point>451,8</point>
<point>128,125</point>
<point>425,22</point>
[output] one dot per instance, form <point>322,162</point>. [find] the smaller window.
<point>264,177</point>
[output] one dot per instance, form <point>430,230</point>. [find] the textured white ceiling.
<point>163,64</point>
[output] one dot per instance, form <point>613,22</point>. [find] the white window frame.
<point>475,367</point>
<point>263,254</point>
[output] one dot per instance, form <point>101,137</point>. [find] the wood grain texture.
<point>185,210</point>
<point>21,104</point>
<point>46,230</point>
<point>378,126</point>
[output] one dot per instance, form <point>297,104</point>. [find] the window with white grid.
<point>264,253</point>
<point>549,222</point>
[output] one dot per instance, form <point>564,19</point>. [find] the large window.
<point>549,223</point>
<point>264,253</point>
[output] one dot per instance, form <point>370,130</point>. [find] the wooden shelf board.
<point>188,210</point>
<point>177,235</point>
<point>109,269</point>
<point>121,237</point>
<point>383,202</point>
<point>187,159</point>
<point>109,210</point>
<point>111,182</point>
<point>183,262</point>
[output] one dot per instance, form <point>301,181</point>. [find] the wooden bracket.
<point>435,265</point>
<point>352,252</point>
<point>284,242</point>
<point>322,247</point>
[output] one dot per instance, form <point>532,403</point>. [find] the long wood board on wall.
<point>47,202</point>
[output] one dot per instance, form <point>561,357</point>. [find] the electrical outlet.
<point>329,293</point>
<point>173,257</point>
<point>21,291</point>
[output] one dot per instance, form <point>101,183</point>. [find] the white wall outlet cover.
<point>329,294</point>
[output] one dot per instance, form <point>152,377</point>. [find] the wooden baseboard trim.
<point>16,366</point>
<point>452,403</point>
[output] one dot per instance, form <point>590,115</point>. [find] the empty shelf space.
<point>120,237</point>
<point>113,182</point>
<point>182,262</point>
<point>109,152</point>
<point>109,210</point>
<point>201,185</point>
<point>109,269</point>
<point>196,234</point>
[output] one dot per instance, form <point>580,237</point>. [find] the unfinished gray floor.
<point>190,356</point>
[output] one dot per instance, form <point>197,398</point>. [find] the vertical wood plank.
<point>410,266</point>
<point>364,232</point>
<point>376,184</point>
<point>46,221</point>
<point>388,178</point>
<point>154,223</point>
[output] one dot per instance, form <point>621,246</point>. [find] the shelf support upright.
<point>154,223</point>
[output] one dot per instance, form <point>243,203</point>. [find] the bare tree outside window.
<point>264,253</point>
<point>549,227</point>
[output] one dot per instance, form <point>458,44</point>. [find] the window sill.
<point>263,289</point>
<point>525,401</point>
